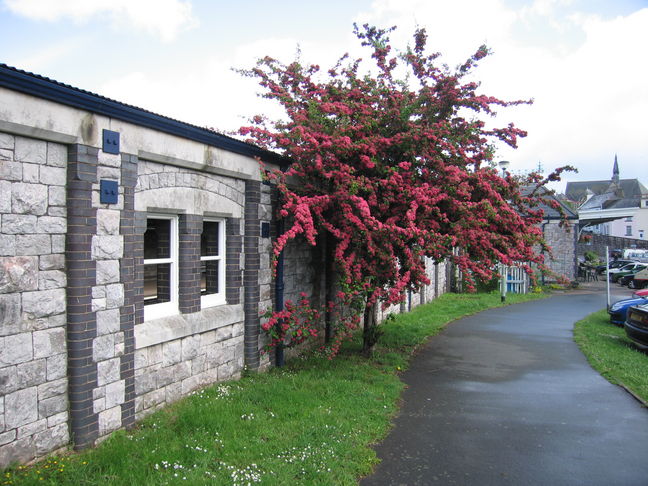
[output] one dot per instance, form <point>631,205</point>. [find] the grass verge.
<point>311,422</point>
<point>612,354</point>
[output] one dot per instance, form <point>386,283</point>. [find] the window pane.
<point>157,239</point>
<point>210,239</point>
<point>209,277</point>
<point>157,279</point>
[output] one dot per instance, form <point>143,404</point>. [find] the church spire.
<point>615,171</point>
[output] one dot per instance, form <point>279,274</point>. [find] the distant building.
<point>618,207</point>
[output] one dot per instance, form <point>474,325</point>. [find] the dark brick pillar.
<point>251,290</point>
<point>127,277</point>
<point>81,277</point>
<point>138,261</point>
<point>190,229</point>
<point>234,248</point>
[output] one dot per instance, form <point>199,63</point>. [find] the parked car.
<point>619,310</point>
<point>640,280</point>
<point>629,266</point>
<point>613,264</point>
<point>636,325</point>
<point>615,277</point>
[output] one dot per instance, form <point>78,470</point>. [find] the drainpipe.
<point>543,237</point>
<point>279,295</point>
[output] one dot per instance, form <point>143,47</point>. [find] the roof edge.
<point>48,89</point>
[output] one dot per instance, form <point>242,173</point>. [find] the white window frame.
<point>164,309</point>
<point>211,300</point>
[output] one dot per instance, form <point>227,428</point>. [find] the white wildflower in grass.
<point>244,476</point>
<point>247,416</point>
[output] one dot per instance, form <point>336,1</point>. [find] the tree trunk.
<point>329,278</point>
<point>370,332</point>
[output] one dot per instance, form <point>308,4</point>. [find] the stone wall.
<point>563,244</point>
<point>177,354</point>
<point>438,276</point>
<point>33,360</point>
<point>597,244</point>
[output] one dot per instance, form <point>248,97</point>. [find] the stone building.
<point>135,261</point>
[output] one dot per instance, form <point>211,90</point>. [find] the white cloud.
<point>161,18</point>
<point>586,74</point>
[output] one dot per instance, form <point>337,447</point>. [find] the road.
<point>505,397</point>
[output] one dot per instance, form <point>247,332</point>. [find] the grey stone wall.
<point>598,243</point>
<point>33,362</point>
<point>563,244</point>
<point>199,346</point>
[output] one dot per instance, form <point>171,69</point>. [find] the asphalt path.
<point>505,397</point>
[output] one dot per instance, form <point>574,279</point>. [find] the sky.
<point>583,62</point>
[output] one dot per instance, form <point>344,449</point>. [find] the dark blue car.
<point>619,310</point>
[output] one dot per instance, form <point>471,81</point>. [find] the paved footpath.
<point>505,397</point>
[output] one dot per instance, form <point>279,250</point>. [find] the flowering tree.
<point>393,166</point>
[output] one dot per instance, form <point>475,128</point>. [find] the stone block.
<point>52,406</point>
<point>52,389</point>
<point>153,399</point>
<point>57,196</point>
<point>52,279</point>
<point>145,383</point>
<point>190,384</point>
<point>181,371</point>
<point>31,373</point>
<point>44,303</point>
<point>141,359</point>
<point>56,155</point>
<point>108,322</point>
<point>108,371</point>
<point>103,347</point>
<point>52,439</point>
<point>9,171</point>
<point>8,382</point>
<point>5,439</point>
<point>31,429</point>
<point>52,262</point>
<point>107,247</point>
<point>29,199</point>
<point>99,405</point>
<point>18,224</point>
<point>115,393</point>
<point>33,244</point>
<point>173,392</point>
<point>108,222</point>
<point>21,408</point>
<point>30,150</point>
<point>31,173</point>
<point>114,295</point>
<point>110,160</point>
<point>49,342</point>
<point>18,274</point>
<point>156,354</point>
<point>190,347</point>
<point>5,196</point>
<point>53,176</point>
<point>172,352</point>
<point>51,225</point>
<point>109,420</point>
<point>58,243</point>
<point>107,271</point>
<point>7,141</point>
<point>98,304</point>
<point>99,292</point>
<point>22,450</point>
<point>56,366</point>
<point>16,349</point>
<point>7,245</point>
<point>57,419</point>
